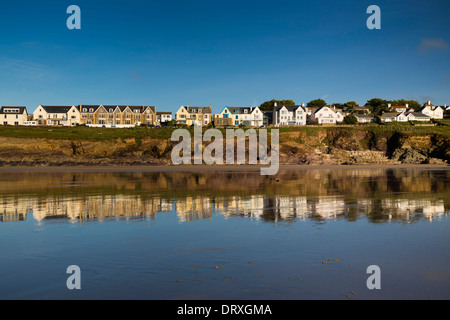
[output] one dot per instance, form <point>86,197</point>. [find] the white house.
<point>13,116</point>
<point>432,111</point>
<point>325,115</point>
<point>57,115</point>
<point>398,108</point>
<point>163,117</point>
<point>389,117</point>
<point>289,115</point>
<point>363,118</point>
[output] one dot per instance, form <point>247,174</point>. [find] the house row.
<point>404,113</point>
<point>89,115</point>
<point>121,116</point>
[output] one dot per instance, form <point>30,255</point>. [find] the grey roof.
<point>362,116</point>
<point>20,110</point>
<point>240,110</point>
<point>195,109</point>
<point>390,114</point>
<point>56,109</point>
<point>419,115</point>
<point>121,108</point>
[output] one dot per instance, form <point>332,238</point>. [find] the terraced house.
<point>194,115</point>
<point>117,116</point>
<point>56,115</point>
<point>13,116</point>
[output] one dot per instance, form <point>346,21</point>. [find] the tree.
<point>318,103</point>
<point>411,104</point>
<point>377,106</point>
<point>269,105</point>
<point>350,119</point>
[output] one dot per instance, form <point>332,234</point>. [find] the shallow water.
<point>303,234</point>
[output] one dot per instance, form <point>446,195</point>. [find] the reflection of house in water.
<point>406,208</point>
<point>193,208</point>
<point>14,209</point>
<point>270,208</point>
<point>252,206</point>
<point>265,207</point>
<point>326,207</point>
<point>288,207</point>
<point>78,208</point>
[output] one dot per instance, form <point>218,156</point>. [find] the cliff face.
<point>364,147</point>
<point>298,147</point>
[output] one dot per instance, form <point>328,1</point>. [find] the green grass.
<point>85,133</point>
<point>140,133</point>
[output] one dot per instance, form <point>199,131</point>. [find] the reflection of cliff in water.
<point>378,194</point>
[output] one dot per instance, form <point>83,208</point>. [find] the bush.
<point>350,119</point>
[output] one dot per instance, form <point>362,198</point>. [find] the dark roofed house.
<point>57,115</point>
<point>12,115</point>
<point>117,116</point>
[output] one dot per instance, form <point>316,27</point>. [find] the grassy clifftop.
<point>397,143</point>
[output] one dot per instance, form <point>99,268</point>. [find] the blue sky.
<point>222,53</point>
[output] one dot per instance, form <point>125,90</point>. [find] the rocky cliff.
<point>321,147</point>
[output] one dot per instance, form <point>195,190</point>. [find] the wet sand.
<point>212,168</point>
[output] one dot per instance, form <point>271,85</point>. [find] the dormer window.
<point>91,109</point>
<point>111,110</point>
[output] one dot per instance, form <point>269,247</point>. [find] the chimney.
<point>275,104</point>
<point>428,102</point>
<point>389,105</point>
<point>407,105</point>
<point>303,104</point>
